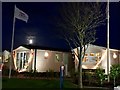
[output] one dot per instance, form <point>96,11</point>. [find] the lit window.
<point>98,54</point>
<point>85,59</point>
<point>91,54</point>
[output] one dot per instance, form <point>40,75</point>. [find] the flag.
<point>19,14</point>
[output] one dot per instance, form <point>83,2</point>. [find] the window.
<point>17,61</point>
<point>22,59</point>
<point>91,54</point>
<point>85,59</point>
<point>27,56</point>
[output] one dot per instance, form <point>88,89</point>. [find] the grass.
<point>53,84</point>
<point>34,83</point>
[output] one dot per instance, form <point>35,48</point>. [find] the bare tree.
<point>79,22</point>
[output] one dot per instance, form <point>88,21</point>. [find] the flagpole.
<point>10,67</point>
<point>108,49</point>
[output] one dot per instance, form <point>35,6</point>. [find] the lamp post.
<point>108,50</point>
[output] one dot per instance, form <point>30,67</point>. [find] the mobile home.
<point>41,59</point>
<point>96,57</point>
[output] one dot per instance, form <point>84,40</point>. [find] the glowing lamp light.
<point>114,56</point>
<point>0,58</point>
<point>46,54</point>
<point>62,67</point>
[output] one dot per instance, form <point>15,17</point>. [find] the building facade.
<point>27,58</point>
<point>96,57</point>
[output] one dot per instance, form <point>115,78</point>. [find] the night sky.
<point>42,29</point>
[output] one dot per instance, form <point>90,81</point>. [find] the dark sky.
<point>41,28</point>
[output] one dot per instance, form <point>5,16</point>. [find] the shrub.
<point>115,72</point>
<point>5,71</point>
<point>101,75</point>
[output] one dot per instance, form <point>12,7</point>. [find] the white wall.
<point>103,61</point>
<point>50,63</point>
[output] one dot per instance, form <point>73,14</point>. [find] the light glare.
<point>46,54</point>
<point>114,56</point>
<point>30,41</point>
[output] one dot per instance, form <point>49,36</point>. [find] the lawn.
<point>53,84</point>
<point>35,83</point>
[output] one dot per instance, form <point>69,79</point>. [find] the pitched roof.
<point>46,48</point>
